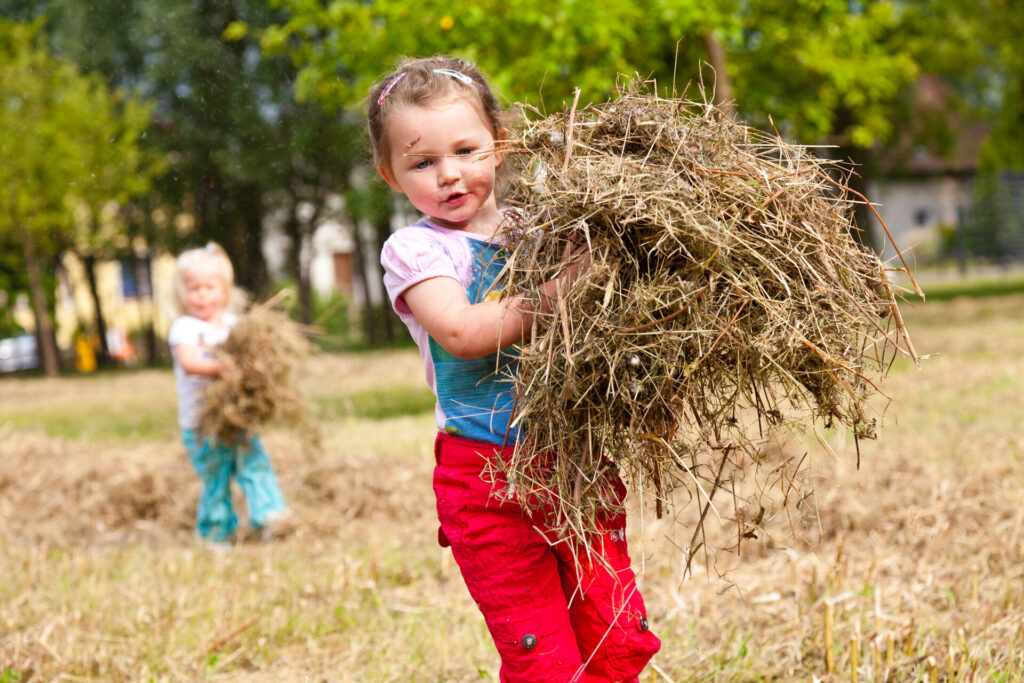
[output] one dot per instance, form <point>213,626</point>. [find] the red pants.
<point>553,616</point>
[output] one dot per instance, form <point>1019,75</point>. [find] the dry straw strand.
<point>726,296</point>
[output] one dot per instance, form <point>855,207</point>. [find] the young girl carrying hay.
<point>203,282</point>
<point>556,612</point>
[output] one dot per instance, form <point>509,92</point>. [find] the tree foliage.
<point>1002,24</point>
<point>69,140</point>
<point>241,147</point>
<point>39,154</point>
<point>822,70</point>
<point>828,68</point>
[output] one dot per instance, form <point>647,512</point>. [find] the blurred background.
<point>130,130</point>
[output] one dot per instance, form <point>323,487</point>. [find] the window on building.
<point>136,279</point>
<point>343,273</point>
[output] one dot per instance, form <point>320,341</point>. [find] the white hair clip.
<point>457,75</point>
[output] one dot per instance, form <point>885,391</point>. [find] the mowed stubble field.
<point>912,568</point>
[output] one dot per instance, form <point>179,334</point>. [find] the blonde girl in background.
<point>554,614</point>
<point>203,287</point>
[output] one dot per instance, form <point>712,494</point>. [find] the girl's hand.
<point>227,364</point>
<point>577,256</point>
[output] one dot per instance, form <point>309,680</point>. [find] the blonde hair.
<point>213,257</point>
<point>427,81</point>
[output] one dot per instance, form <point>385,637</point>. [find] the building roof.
<point>956,137</point>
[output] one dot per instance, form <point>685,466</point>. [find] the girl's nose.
<point>447,171</point>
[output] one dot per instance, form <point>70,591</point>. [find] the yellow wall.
<point>74,302</point>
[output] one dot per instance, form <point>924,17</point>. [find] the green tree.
<point>534,52</point>
<point>68,141</point>
<point>37,161</point>
<point>979,60</point>
<point>825,70</point>
<point>119,170</point>
<point>343,47</point>
<point>1000,24</point>
<point>242,149</point>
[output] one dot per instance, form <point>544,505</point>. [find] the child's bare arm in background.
<point>195,364</point>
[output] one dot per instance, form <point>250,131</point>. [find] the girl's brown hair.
<point>423,82</point>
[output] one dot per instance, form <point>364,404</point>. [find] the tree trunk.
<point>89,263</point>
<point>862,160</point>
<point>143,275</point>
<point>359,269</point>
<point>723,85</point>
<point>306,229</point>
<point>40,307</point>
<point>253,267</point>
<point>382,230</point>
<point>298,262</point>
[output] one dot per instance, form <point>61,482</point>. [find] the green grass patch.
<point>972,288</point>
<point>118,426</point>
<point>105,422</point>
<point>379,404</point>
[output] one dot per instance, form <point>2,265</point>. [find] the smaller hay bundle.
<point>725,295</point>
<point>264,350</point>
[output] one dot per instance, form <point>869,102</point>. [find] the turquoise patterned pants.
<point>216,465</point>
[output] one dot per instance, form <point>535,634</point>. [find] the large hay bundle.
<point>725,296</point>
<point>264,350</point>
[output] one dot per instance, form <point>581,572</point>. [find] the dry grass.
<point>725,299</point>
<point>263,352</point>
<point>922,547</point>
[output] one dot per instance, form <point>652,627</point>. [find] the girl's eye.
<point>423,164</point>
<point>465,150</point>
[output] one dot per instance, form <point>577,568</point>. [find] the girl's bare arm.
<point>468,330</point>
<point>463,329</point>
<point>195,364</point>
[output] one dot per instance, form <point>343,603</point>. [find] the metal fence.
<point>992,228</point>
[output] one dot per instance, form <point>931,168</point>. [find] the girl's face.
<point>205,293</point>
<point>443,158</point>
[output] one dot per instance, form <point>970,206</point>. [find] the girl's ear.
<point>386,175</point>
<point>499,146</point>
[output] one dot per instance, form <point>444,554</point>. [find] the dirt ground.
<point>910,568</point>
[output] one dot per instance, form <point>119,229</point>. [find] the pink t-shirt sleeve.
<point>410,256</point>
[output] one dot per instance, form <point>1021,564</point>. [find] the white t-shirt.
<point>204,336</point>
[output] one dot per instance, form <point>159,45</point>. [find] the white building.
<point>923,196</point>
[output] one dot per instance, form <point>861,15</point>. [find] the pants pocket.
<point>616,640</point>
<point>535,645</point>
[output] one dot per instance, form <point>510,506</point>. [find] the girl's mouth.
<point>455,198</point>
